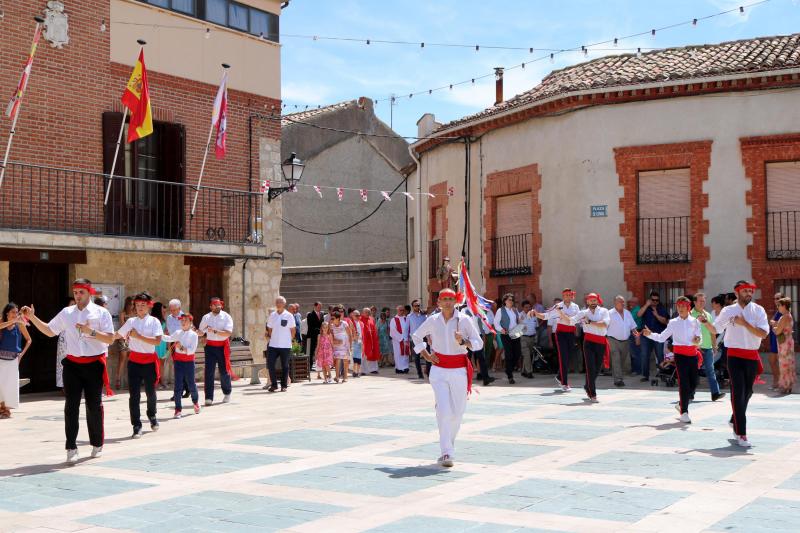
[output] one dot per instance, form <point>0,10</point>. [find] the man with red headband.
<point>143,333</point>
<point>595,320</point>
<point>686,337</point>
<point>745,325</point>
<point>452,334</point>
<point>565,334</point>
<point>88,330</point>
<point>217,326</point>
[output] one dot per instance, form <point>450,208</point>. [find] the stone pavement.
<point>361,456</point>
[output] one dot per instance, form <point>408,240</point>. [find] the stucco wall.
<point>575,157</point>
<point>263,278</point>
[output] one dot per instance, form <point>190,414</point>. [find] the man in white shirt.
<point>594,320</point>
<point>281,329</point>
<point>398,331</point>
<point>88,330</point>
<point>745,325</point>
<point>564,334</point>
<point>505,319</point>
<point>452,334</point>
<point>142,333</point>
<point>620,329</point>
<point>217,326</point>
<point>685,332</point>
<point>415,320</point>
<point>528,339</point>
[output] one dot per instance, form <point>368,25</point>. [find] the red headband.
<point>741,286</point>
<point>450,292</point>
<point>150,303</point>
<point>217,301</point>
<point>87,286</point>
<point>594,295</point>
<point>186,315</point>
<point>568,291</point>
<point>683,303</point>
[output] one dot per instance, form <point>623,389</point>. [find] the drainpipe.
<point>420,294</point>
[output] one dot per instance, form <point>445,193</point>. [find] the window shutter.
<point>438,222</point>
<point>513,215</point>
<point>112,122</point>
<point>783,210</point>
<point>664,209</point>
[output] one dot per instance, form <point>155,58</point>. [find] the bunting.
<point>363,193</point>
<point>340,193</point>
<point>386,196</point>
<point>318,191</point>
<point>265,186</point>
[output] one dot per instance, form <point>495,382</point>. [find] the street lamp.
<point>292,169</point>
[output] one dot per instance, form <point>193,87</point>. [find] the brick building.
<point>53,222</point>
<point>676,170</point>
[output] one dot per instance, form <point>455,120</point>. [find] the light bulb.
<point>552,57</point>
<point>208,33</point>
<point>694,22</point>
<point>741,10</point>
<point>653,34</point>
<point>615,42</point>
<point>638,52</point>
<point>585,51</point>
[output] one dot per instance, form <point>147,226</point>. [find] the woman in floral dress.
<point>783,329</point>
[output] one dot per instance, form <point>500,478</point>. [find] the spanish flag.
<point>137,99</point>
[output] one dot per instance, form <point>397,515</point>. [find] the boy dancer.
<point>185,345</point>
<point>143,333</point>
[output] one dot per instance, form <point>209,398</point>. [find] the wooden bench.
<point>241,357</point>
<point>299,369</point>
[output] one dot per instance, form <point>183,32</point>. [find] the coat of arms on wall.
<point>55,24</point>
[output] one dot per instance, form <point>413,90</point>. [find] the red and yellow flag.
<point>137,99</point>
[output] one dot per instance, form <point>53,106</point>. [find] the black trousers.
<point>565,346</point>
<point>483,366</point>
<point>312,339</point>
<point>138,375</point>
<point>273,354</point>
<point>593,354</point>
<point>87,380</point>
<point>513,351</point>
<point>686,366</point>
<point>742,376</point>
<point>418,364</point>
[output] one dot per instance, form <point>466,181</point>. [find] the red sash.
<point>92,359</point>
<point>404,345</point>
<point>753,355</point>
<point>599,339</point>
<point>457,361</point>
<point>185,357</point>
<point>565,328</point>
<point>145,359</point>
<point>691,351</point>
<point>226,350</point>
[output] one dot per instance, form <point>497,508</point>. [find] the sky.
<point>323,72</point>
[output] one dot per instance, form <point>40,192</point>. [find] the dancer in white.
<point>565,334</point>
<point>452,334</point>
<point>398,331</point>
<point>595,320</point>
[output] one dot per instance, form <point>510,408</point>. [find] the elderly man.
<point>281,329</point>
<point>620,330</point>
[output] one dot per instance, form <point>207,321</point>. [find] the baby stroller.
<point>667,371</point>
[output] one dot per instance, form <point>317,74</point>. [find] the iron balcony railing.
<point>44,198</point>
<point>511,255</point>
<point>783,235</point>
<point>434,258</point>
<point>663,240</point>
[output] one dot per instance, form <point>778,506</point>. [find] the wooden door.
<point>45,285</point>
<point>518,290</point>
<point>205,281</point>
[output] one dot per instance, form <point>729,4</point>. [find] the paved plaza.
<point>361,457</point>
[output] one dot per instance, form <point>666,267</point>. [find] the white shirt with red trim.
<point>149,326</point>
<point>570,310</point>
<point>739,336</point>
<point>222,321</point>
<point>80,344</point>
<point>600,314</point>
<point>682,331</point>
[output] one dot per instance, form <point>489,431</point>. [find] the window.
<point>159,3</point>
<point>511,245</point>
<point>669,291</point>
<point>663,216</point>
<point>217,11</point>
<point>783,210</point>
<point>184,6</point>
<point>238,17</point>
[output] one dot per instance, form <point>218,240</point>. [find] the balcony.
<point>783,235</point>
<point>511,255</point>
<point>46,199</point>
<point>434,258</point>
<point>663,240</point>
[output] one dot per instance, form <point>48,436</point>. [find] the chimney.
<point>498,85</point>
<point>426,124</point>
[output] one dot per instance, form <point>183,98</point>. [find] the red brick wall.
<point>630,161</point>
<point>756,153</point>
<point>440,200</point>
<point>69,89</point>
<point>505,183</point>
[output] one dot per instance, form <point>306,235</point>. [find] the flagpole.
<point>39,21</point>
<point>141,42</point>
<point>225,67</point>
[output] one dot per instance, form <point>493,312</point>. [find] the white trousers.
<point>369,366</point>
<point>400,361</point>
<point>450,391</point>
<point>9,382</point>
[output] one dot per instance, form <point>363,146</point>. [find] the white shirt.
<point>281,334</point>
<point>620,326</point>
<point>512,319</point>
<point>188,339</point>
<point>396,335</point>
<point>600,314</point>
<point>531,324</point>
<point>173,324</point>
<point>149,326</point>
<point>222,321</point>
<point>570,310</point>
<point>682,331</point>
<point>738,336</point>
<point>443,336</point>
<point>80,344</point>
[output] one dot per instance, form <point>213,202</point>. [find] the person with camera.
<point>654,317</point>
